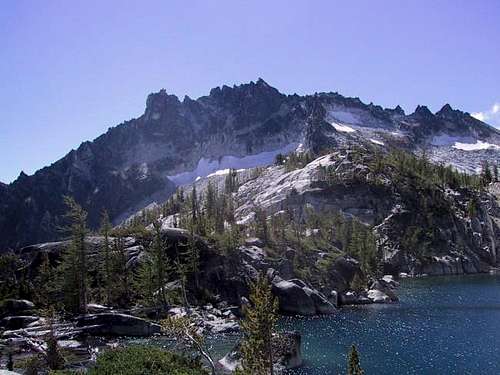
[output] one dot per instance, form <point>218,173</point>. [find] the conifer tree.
<point>229,241</point>
<point>107,276</point>
<point>231,181</point>
<point>122,286</point>
<point>44,282</point>
<point>153,272</point>
<point>210,206</point>
<point>229,209</point>
<point>353,365</point>
<point>182,270</point>
<point>192,258</point>
<point>53,354</point>
<point>486,175</point>
<point>194,205</point>
<point>258,326</point>
<point>74,264</point>
<point>144,281</point>
<point>280,159</point>
<point>262,227</point>
<point>9,281</point>
<point>160,265</point>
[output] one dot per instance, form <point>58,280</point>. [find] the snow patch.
<point>342,128</point>
<point>448,140</point>
<point>462,143</point>
<point>377,142</point>
<point>144,171</point>
<point>207,167</point>
<point>222,172</point>
<point>344,116</point>
<point>479,145</point>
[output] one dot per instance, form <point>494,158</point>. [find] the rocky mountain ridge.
<point>143,160</point>
<point>422,224</point>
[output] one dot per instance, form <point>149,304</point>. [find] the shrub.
<point>139,360</point>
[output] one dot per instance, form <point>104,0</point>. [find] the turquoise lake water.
<point>442,325</point>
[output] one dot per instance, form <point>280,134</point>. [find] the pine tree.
<point>182,270</point>
<point>144,281</point>
<point>229,241</point>
<point>74,265</point>
<point>194,206</point>
<point>231,182</point>
<point>9,280</point>
<point>161,263</point>
<point>472,207</point>
<point>280,159</point>
<point>44,282</point>
<point>486,175</point>
<point>210,206</point>
<point>262,227</point>
<point>53,354</point>
<point>107,276</point>
<point>353,365</point>
<point>258,326</point>
<point>192,258</point>
<point>122,285</point>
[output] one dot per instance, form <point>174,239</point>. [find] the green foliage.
<point>73,268</point>
<point>105,274</point>
<point>358,283</point>
<point>361,245</point>
<point>229,240</point>
<point>231,182</point>
<point>192,258</point>
<point>353,365</point>
<point>9,280</point>
<point>422,185</point>
<point>154,271</point>
<point>258,326</point>
<point>141,360</point>
<point>295,160</point>
<point>262,227</point>
<point>183,329</point>
<point>486,173</point>
<point>472,207</point>
<point>121,289</point>
<point>406,168</point>
<point>33,365</point>
<point>53,353</point>
<point>45,283</point>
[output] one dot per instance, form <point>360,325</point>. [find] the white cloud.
<point>490,116</point>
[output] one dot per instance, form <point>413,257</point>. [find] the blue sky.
<point>71,69</point>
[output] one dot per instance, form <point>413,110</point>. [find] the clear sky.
<point>71,69</point>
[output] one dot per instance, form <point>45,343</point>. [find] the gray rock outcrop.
<point>115,324</point>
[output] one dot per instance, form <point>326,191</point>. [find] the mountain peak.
<point>157,102</point>
<point>446,109</point>
<point>447,112</point>
<point>399,110</point>
<point>261,82</point>
<point>22,176</point>
<point>422,111</point>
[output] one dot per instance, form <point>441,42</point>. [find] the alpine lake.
<point>441,325</point>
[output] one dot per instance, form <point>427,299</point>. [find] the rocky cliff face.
<point>174,142</point>
<point>422,226</point>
